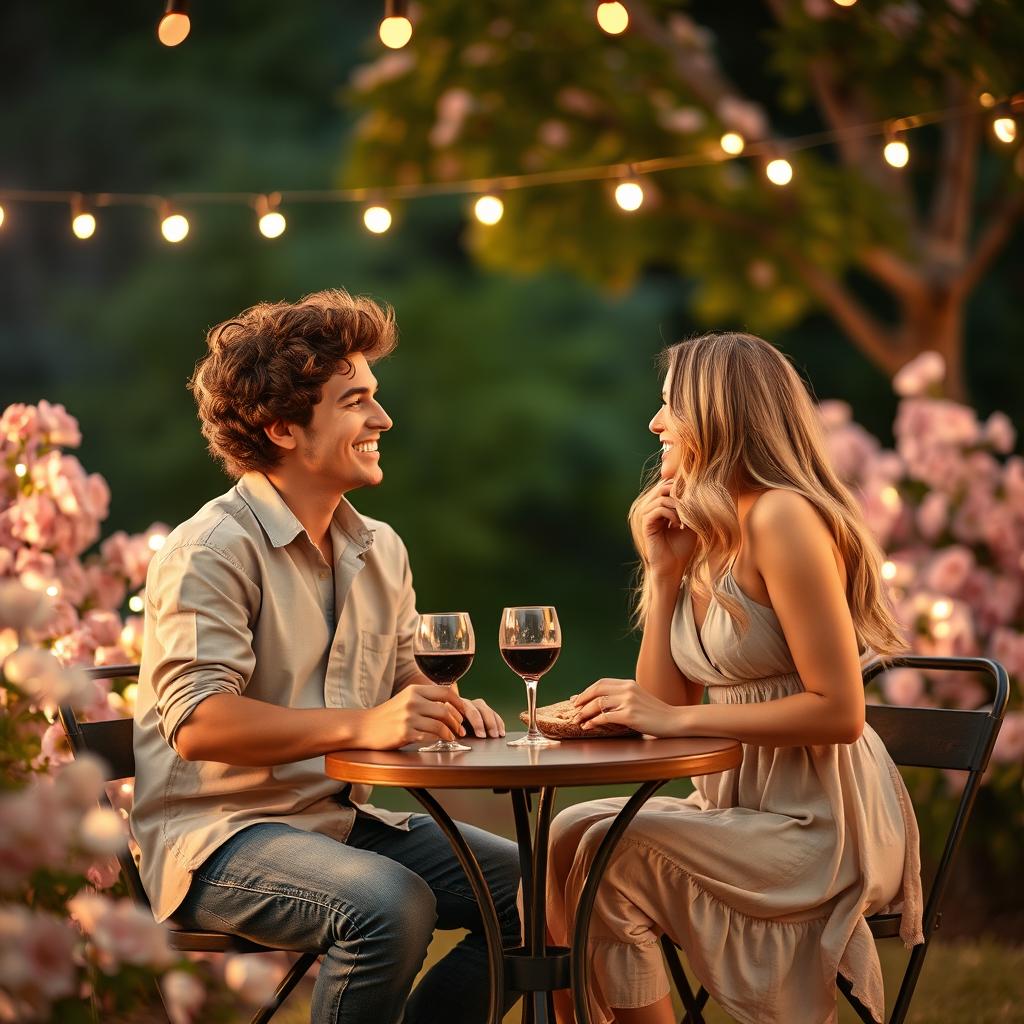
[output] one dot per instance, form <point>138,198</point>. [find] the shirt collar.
<point>279,522</point>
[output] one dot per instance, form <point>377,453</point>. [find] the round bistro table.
<point>536,968</point>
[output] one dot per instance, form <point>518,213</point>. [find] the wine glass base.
<point>533,741</point>
<point>444,747</point>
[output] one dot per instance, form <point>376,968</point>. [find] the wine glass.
<point>444,646</point>
<point>530,640</point>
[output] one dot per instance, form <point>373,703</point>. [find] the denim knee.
<point>400,910</point>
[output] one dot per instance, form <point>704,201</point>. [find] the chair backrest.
<point>942,738</point>
<point>111,741</point>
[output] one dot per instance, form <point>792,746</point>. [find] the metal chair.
<point>914,737</point>
<point>112,741</point>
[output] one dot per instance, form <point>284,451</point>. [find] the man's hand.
<point>421,711</point>
<point>482,719</point>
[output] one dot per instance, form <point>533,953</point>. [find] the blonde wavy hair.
<point>744,418</point>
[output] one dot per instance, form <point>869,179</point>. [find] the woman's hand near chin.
<point>623,702</point>
<point>668,543</point>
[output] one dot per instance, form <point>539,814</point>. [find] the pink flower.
<point>1007,647</point>
<point>933,514</point>
<point>35,832</point>
<point>1009,746</point>
<point>103,873</point>
<point>742,116</point>
<point>36,961</point>
<point>107,589</point>
<point>121,932</point>
<point>915,377</point>
<point>58,427</point>
<point>184,996</point>
<point>1000,432</point>
<point>253,976</point>
<point>580,102</point>
<point>903,686</point>
<point>21,608</point>
<point>851,449</point>
<point>949,569</point>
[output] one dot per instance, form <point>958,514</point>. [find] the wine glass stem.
<point>531,702</point>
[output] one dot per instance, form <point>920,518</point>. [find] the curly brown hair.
<point>271,362</point>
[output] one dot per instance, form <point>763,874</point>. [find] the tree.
<point>892,256</point>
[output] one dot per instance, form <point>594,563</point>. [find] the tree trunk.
<point>936,322</point>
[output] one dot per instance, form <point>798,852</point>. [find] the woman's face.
<point>671,446</point>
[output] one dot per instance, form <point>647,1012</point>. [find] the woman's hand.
<point>668,543</point>
<point>623,702</point>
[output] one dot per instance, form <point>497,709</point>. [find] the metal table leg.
<point>580,965</point>
<point>488,914</point>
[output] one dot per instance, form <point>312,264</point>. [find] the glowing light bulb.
<point>732,143</point>
<point>1004,128</point>
<point>845,3</point>
<point>613,18</point>
<point>395,32</point>
<point>377,219</point>
<point>175,25</point>
<point>629,195</point>
<point>135,603</point>
<point>779,171</point>
<point>83,225</point>
<point>489,209</point>
<point>987,100</point>
<point>174,227</point>
<point>896,153</point>
<point>272,224</point>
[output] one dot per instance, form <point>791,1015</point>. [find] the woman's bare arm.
<point>656,670</point>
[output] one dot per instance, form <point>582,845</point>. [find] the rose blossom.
<point>121,932</point>
<point>915,377</point>
<point>21,608</point>
<point>35,954</point>
<point>1009,746</point>
<point>253,976</point>
<point>184,996</point>
<point>949,569</point>
<point>903,686</point>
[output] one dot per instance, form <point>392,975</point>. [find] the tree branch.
<point>892,271</point>
<point>994,235</point>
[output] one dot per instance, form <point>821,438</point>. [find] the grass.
<point>978,982</point>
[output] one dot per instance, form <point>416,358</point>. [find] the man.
<point>279,626</point>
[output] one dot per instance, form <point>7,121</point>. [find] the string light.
<point>489,209</point>
<point>83,223</point>
<point>175,24</point>
<point>844,3</point>
<point>377,219</point>
<point>987,100</point>
<point>173,226</point>
<point>613,17</point>
<point>896,151</point>
<point>779,171</point>
<point>271,221</point>
<point>1004,127</point>
<point>3,215</point>
<point>396,28</point>
<point>732,143</point>
<point>629,195</point>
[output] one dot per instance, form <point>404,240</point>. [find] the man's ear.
<point>283,434</point>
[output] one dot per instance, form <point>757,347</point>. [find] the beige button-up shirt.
<point>240,600</point>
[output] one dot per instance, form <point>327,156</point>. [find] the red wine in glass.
<point>530,641</point>
<point>443,647</point>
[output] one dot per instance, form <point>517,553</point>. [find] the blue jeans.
<point>370,907</point>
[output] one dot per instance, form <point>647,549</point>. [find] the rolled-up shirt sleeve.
<point>204,608</point>
<point>405,627</point>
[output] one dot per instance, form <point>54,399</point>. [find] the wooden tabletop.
<point>493,764</point>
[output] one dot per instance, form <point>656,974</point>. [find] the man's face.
<point>339,446</point>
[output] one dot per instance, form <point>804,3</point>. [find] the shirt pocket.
<point>377,652</point>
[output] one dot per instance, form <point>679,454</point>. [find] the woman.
<point>761,588</point>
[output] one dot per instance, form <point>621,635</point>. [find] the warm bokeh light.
<point>3,214</point>
<point>156,541</point>
<point>942,608</point>
<point>732,143</point>
<point>1005,129</point>
<point>83,225</point>
<point>488,209</point>
<point>987,100</point>
<point>845,3</point>
<point>20,470</point>
<point>395,32</point>
<point>629,195</point>
<point>896,153</point>
<point>779,171</point>
<point>174,227</point>
<point>173,28</point>
<point>377,219</point>
<point>272,224</point>
<point>613,18</point>
<point>135,603</point>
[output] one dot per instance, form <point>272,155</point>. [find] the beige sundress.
<point>764,874</point>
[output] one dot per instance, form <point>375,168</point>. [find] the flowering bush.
<point>69,941</point>
<point>948,506</point>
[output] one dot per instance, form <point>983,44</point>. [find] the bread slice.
<point>556,721</point>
